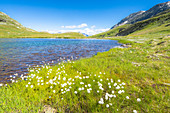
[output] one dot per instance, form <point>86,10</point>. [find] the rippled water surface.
<point>17,54</point>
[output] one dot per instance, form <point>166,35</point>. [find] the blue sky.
<point>86,16</point>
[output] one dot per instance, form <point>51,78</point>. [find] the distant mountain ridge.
<point>159,23</point>
<point>143,15</point>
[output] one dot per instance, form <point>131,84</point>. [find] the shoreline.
<point>6,79</point>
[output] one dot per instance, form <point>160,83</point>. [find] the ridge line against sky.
<point>89,17</point>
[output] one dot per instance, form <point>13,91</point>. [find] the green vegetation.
<point>142,70</point>
<point>155,25</point>
<point>111,32</point>
<point>134,79</point>
<point>10,28</point>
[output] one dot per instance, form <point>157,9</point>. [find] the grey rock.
<point>143,15</point>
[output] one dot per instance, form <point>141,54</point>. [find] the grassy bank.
<point>134,79</point>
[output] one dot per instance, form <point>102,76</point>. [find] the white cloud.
<point>93,26</point>
<point>88,31</point>
<point>74,26</point>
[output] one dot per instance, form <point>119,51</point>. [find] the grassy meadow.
<point>134,79</point>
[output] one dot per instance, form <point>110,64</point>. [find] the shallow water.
<point>17,54</point>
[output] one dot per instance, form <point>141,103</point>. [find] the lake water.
<point>17,54</point>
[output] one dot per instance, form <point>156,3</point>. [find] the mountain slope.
<point>158,23</point>
<point>10,28</point>
<point>143,15</point>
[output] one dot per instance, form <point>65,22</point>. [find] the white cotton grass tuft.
<point>138,99</point>
<point>107,105</point>
<point>31,86</point>
<point>81,84</point>
<point>127,97</point>
<point>75,92</point>
<point>134,111</point>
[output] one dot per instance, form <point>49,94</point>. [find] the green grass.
<point>144,68</point>
<point>10,28</point>
<point>159,24</point>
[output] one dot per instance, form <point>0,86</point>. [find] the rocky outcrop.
<point>143,15</point>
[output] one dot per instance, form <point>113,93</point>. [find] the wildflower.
<point>118,80</point>
<point>97,91</point>
<point>81,82</point>
<point>42,80</point>
<point>111,81</point>
<point>109,86</point>
<point>64,78</point>
<point>99,76</point>
<point>87,76</point>
<point>134,111</point>
<point>101,80</point>
<point>79,89</point>
<point>42,84</point>
<point>53,91</point>
<point>110,104</point>
<point>88,90</point>
<point>118,87</point>
<point>107,79</point>
<point>120,91</point>
<point>106,96</point>
<point>85,85</point>
<point>49,96</point>
<point>115,84</point>
<point>75,92</point>
<point>101,101</point>
<point>114,96</point>
<point>101,88</point>
<point>13,81</point>
<point>107,105</point>
<point>89,85</point>
<point>38,84</point>
<point>123,83</point>
<point>68,90</point>
<point>26,85</point>
<point>82,88</point>
<point>46,82</point>
<point>51,87</point>
<point>100,72</point>
<point>127,97</point>
<point>31,86</point>
<point>112,91</point>
<point>38,80</point>
<point>138,99</point>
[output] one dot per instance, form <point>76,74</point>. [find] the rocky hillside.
<point>159,23</point>
<point>143,15</point>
